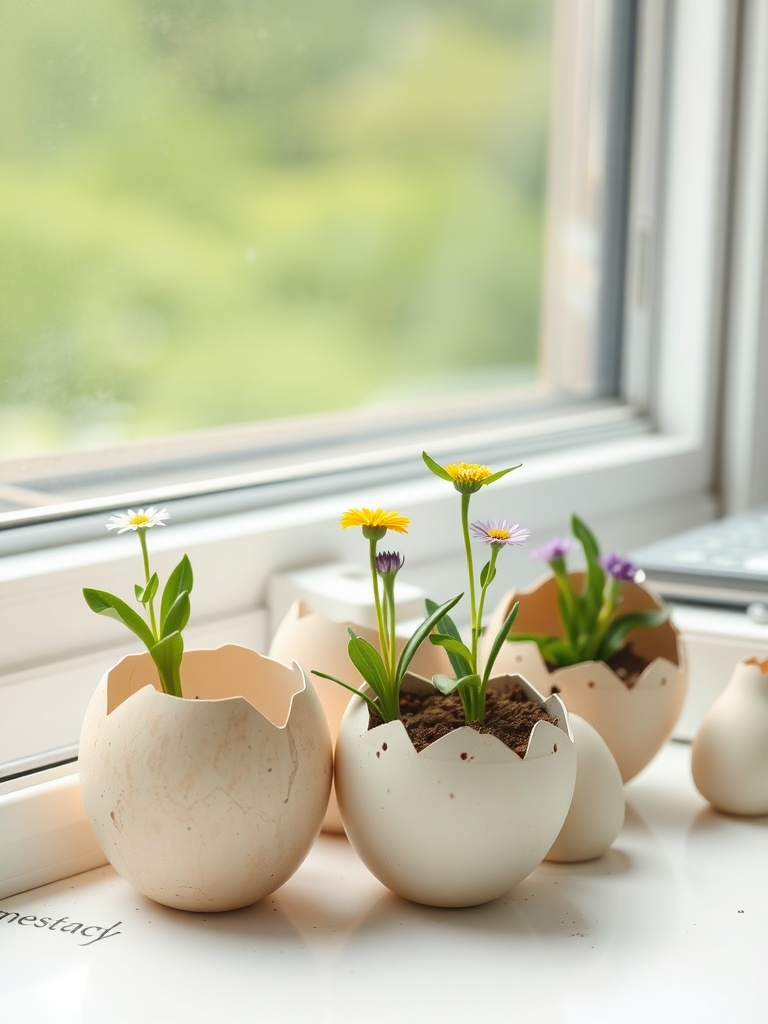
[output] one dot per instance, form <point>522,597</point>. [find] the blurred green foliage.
<point>214,211</point>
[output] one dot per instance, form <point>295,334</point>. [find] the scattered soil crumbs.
<point>508,716</point>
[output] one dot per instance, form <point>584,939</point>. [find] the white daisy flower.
<point>141,520</point>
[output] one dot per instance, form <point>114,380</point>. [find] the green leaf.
<point>145,594</point>
<point>167,655</point>
<point>443,683</point>
<point>535,637</point>
<point>565,604</point>
<point>181,579</point>
<point>447,626</point>
<point>586,538</point>
<point>497,476</point>
<point>103,603</point>
<point>616,634</point>
<point>557,652</point>
<point>458,653</point>
<point>489,567</point>
<point>436,469</point>
<point>593,596</point>
<point>369,664</point>
<point>421,634</point>
<point>498,642</point>
<point>347,686</point>
<point>178,615</point>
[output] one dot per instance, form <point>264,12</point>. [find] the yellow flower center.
<point>499,534</point>
<point>139,520</point>
<point>468,472</point>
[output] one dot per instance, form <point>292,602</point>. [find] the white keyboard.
<point>724,562</point>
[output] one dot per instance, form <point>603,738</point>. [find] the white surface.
<point>668,926</point>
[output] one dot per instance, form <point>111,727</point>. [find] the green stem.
<point>145,557</point>
<point>473,703</point>
<point>477,697</point>
<point>383,635</point>
<point>605,615</point>
<point>172,685</point>
<point>572,621</point>
<point>471,571</point>
<point>495,548</point>
<point>389,608</point>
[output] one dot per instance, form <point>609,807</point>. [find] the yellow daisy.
<point>376,519</point>
<point>463,473</point>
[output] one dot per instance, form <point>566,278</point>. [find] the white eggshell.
<point>210,801</point>
<point>729,758</point>
<point>635,722</point>
<point>596,815</point>
<point>464,820</point>
<point>316,642</point>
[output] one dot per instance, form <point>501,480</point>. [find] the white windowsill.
<point>664,927</point>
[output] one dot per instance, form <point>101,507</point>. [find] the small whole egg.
<point>596,815</point>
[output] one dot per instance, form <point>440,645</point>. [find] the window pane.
<point>218,213</point>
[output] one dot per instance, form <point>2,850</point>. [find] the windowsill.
<point>632,490</point>
<point>667,923</point>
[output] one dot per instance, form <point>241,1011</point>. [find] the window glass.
<point>215,213</point>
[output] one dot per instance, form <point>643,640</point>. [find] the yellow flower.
<point>467,473</point>
<point>466,477</point>
<point>375,519</point>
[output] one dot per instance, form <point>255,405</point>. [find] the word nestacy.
<point>92,932</point>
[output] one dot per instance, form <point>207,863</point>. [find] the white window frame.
<point>632,485</point>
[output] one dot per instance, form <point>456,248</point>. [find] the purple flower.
<point>553,550</point>
<point>621,568</point>
<point>500,532</point>
<point>389,562</point>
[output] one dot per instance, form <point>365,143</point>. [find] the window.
<point>639,463</point>
<point>218,214</point>
<point>257,210</point>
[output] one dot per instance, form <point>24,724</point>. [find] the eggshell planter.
<point>596,814</point>
<point>729,757</point>
<point>634,722</point>
<point>317,642</point>
<point>463,821</point>
<point>210,801</point>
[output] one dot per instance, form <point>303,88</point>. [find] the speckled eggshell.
<point>463,821</point>
<point>636,722</point>
<point>211,801</point>
<point>596,814</point>
<point>317,642</point>
<point>729,757</point>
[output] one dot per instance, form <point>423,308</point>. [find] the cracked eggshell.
<point>729,757</point>
<point>636,722</point>
<point>596,814</point>
<point>211,801</point>
<point>317,642</point>
<point>463,821</point>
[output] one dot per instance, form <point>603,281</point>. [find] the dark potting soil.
<point>627,665</point>
<point>508,716</point>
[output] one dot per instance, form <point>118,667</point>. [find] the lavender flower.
<point>500,532</point>
<point>553,550</point>
<point>588,602</point>
<point>389,562</point>
<point>621,568</point>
